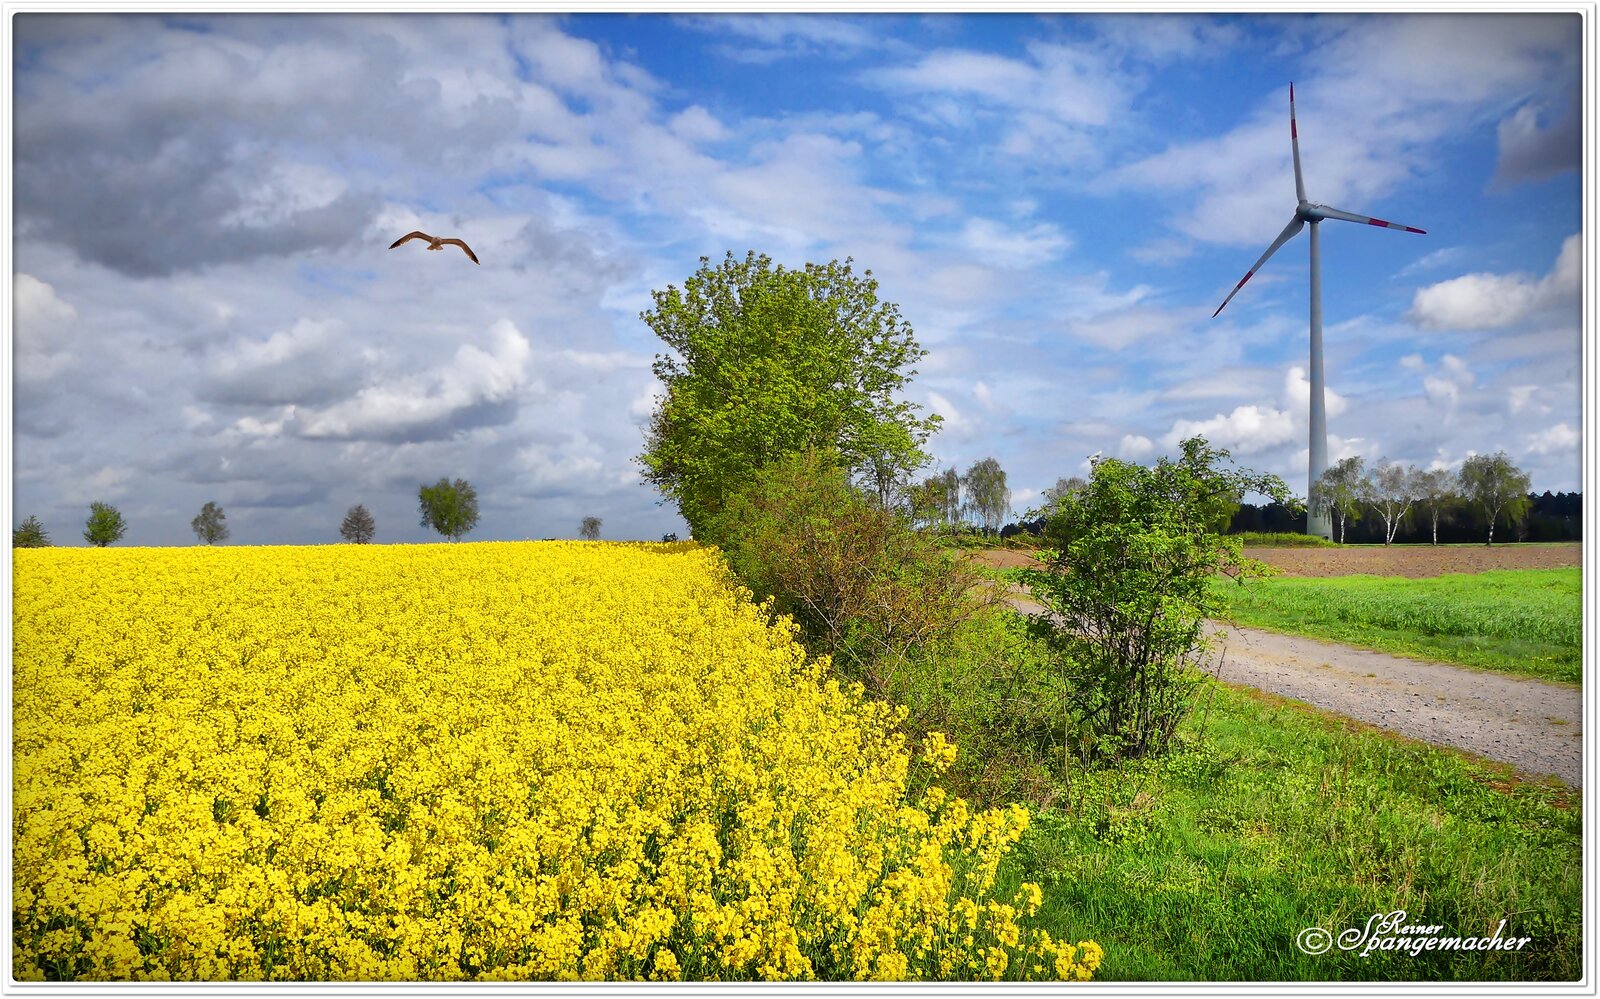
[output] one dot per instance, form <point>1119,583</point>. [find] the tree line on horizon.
<point>449,507</point>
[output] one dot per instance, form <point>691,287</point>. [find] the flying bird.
<point>436,243</point>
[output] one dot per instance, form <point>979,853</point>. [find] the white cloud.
<point>1134,446</point>
<point>426,405</point>
<point>1246,430</point>
<point>1554,440</point>
<point>993,242</point>
<point>1297,391</point>
<point>1491,301</point>
<point>696,124</point>
<point>1522,398</point>
<point>43,327</point>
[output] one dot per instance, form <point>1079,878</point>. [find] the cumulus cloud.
<point>42,330</point>
<point>309,363</point>
<point>477,388</point>
<point>1135,447</point>
<point>1297,390</point>
<point>1558,439</point>
<point>1493,301</point>
<point>1246,430</point>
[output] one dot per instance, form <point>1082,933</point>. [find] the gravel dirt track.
<point>1534,726</point>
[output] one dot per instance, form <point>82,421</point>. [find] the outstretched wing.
<point>411,235</point>
<point>457,242</point>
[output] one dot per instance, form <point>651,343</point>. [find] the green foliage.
<point>30,534</point>
<point>1129,594</point>
<point>211,524</point>
<point>987,495</point>
<point>863,586</point>
<point>767,362</point>
<point>105,525</point>
<point>1495,485</point>
<point>1339,491</point>
<point>1436,495</point>
<point>451,508</point>
<point>358,526</point>
<point>1264,539</point>
<point>1527,622</point>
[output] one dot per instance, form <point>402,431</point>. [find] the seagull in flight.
<point>435,243</point>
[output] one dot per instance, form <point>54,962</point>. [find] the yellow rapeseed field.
<point>474,761</point>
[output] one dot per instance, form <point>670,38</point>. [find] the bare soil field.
<point>1413,561</point>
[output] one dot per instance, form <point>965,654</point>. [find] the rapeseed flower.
<point>506,761</point>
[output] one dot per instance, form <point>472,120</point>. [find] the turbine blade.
<point>1334,213</point>
<point>1294,141</point>
<point>1288,233</point>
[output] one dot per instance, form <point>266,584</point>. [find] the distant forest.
<point>1550,517</point>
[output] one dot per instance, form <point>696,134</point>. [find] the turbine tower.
<point>1318,520</point>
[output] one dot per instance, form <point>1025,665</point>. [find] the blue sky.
<point>206,308</point>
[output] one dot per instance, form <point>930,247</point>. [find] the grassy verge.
<point>1271,818</point>
<point>1527,622</point>
<point>1269,540</point>
<point>1206,865</point>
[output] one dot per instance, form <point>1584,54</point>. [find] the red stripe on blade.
<point>1387,225</point>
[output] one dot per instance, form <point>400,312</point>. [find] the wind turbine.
<point>1317,519</point>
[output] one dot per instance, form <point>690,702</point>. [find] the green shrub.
<point>864,586</point>
<point>1129,590</point>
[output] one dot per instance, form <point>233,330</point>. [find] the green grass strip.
<point>1525,622</point>
<point>1206,865</point>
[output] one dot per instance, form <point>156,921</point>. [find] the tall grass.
<point>1527,622</point>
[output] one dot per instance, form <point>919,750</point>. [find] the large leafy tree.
<point>766,362</point>
<point>1391,489</point>
<point>1496,485</point>
<point>105,525</point>
<point>211,524</point>
<point>30,534</point>
<point>451,508</point>
<point>988,496</point>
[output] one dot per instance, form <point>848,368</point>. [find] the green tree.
<point>451,508</point>
<point>105,525</point>
<point>1496,485</point>
<point>1436,493</point>
<point>358,526</point>
<point>589,530</point>
<point>1338,490</point>
<point>988,496</point>
<point>30,534</point>
<point>1390,489</point>
<point>210,525</point>
<point>1131,587</point>
<point>767,361</point>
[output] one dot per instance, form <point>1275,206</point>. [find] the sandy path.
<point>1536,727</point>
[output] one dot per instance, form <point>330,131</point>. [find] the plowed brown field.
<point>1400,560</point>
